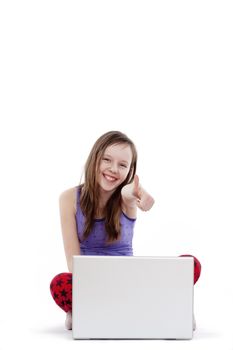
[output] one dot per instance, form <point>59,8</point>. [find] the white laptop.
<point>130,297</point>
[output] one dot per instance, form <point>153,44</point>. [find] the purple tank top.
<point>95,243</point>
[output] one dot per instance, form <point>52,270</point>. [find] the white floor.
<point>36,328</point>
<point>54,335</point>
<point>30,319</point>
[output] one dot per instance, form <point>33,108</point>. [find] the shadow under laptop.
<point>206,334</point>
<point>54,331</point>
<point>58,332</point>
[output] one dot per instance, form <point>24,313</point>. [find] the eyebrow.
<point>121,161</point>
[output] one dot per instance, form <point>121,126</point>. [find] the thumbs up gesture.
<point>134,194</point>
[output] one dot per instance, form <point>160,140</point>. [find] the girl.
<point>98,217</point>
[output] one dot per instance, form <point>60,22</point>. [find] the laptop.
<point>132,297</point>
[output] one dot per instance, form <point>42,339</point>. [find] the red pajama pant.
<point>61,286</point>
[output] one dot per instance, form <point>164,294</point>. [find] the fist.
<point>135,192</point>
<point>144,200</point>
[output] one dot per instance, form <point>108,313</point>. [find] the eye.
<point>106,159</point>
<point>123,165</point>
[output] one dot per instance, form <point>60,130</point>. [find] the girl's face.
<point>114,166</point>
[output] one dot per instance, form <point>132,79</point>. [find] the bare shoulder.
<point>68,198</point>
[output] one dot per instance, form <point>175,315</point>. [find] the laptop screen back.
<point>132,297</point>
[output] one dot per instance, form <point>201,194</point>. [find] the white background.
<point>160,71</point>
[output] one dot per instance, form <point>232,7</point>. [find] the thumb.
<point>136,186</point>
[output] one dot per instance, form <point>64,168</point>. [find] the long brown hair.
<point>90,188</point>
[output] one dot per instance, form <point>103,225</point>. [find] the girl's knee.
<point>197,267</point>
<point>61,278</point>
<point>61,290</point>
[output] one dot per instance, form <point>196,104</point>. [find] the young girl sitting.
<point>98,216</point>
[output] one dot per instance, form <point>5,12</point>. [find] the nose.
<point>113,168</point>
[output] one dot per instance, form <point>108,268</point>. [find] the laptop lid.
<point>132,297</point>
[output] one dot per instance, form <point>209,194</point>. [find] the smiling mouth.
<point>109,178</point>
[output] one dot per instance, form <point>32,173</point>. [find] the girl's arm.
<point>134,196</point>
<point>67,202</point>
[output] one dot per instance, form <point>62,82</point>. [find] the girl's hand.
<point>135,194</point>
<point>144,200</point>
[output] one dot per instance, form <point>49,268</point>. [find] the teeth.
<point>110,178</point>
